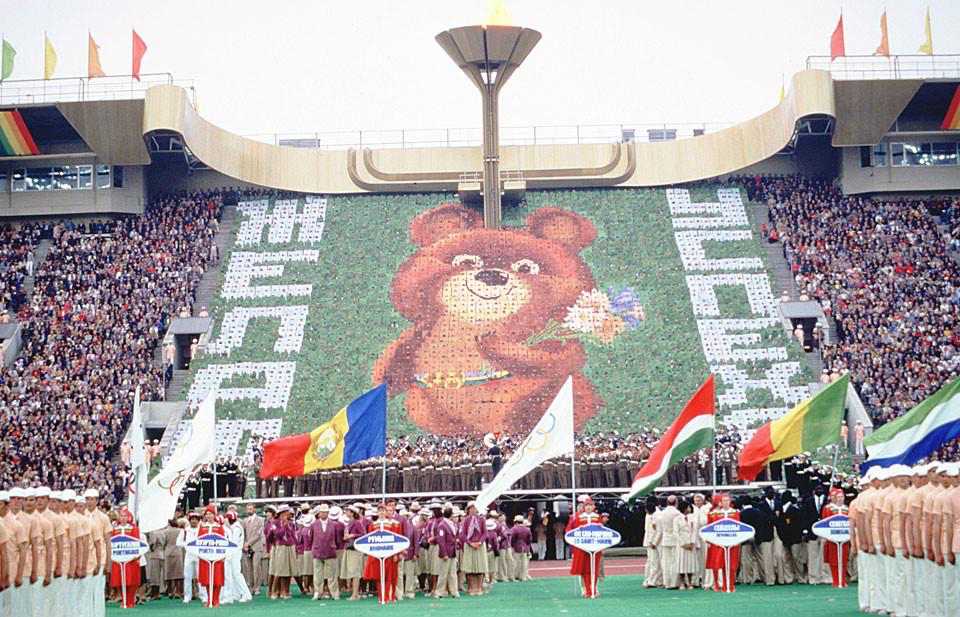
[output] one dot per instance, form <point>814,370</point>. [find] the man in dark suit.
<point>749,559</point>
<point>811,507</point>
<point>789,542</point>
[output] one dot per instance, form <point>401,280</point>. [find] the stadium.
<point>172,290</point>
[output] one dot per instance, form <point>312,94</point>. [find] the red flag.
<point>139,48</point>
<point>837,48</point>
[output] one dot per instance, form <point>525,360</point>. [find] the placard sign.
<point>381,544</point>
<point>211,547</point>
<point>835,528</point>
<point>727,532</point>
<point>592,538</point>
<point>124,548</point>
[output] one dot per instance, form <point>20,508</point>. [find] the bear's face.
<point>480,276</point>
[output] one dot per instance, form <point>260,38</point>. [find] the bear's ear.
<point>441,222</point>
<point>562,227</point>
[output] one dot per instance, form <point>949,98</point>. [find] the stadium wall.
<point>855,179</point>
<point>130,198</point>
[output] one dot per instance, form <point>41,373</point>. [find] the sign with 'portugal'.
<point>124,548</point>
<point>835,528</point>
<point>727,532</point>
<point>211,547</point>
<point>381,544</point>
<point>592,538</point>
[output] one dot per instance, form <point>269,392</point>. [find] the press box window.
<point>103,176</point>
<point>944,154</point>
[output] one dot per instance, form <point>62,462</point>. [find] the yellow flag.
<point>927,47</point>
<point>49,58</point>
<point>93,58</point>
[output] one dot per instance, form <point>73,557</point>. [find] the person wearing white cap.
<point>44,555</point>
<point>7,546</point>
<point>891,529</point>
<point>34,539</point>
<point>79,532</point>
<point>863,542</point>
<point>191,563</point>
<point>45,509</point>
<point>940,513</point>
<point>235,587</point>
<point>952,538</point>
<point>913,526</point>
<point>324,535</point>
<point>101,521</point>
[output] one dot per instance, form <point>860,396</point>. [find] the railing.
<point>71,89</point>
<point>914,66</point>
<point>509,136</point>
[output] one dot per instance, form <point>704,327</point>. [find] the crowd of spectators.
<point>16,263</point>
<point>888,276</point>
<point>102,300</point>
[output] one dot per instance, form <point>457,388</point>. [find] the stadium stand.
<point>100,305</point>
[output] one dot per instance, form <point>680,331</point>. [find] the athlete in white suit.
<point>190,562</point>
<point>235,587</point>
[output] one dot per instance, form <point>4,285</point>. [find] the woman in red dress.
<point>129,580</point>
<point>715,560</point>
<point>210,574</point>
<point>834,507</point>
<point>371,571</point>
<point>581,559</point>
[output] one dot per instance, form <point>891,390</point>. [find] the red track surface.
<point>612,567</point>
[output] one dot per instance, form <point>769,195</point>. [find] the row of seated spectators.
<point>889,276</point>
<point>100,305</point>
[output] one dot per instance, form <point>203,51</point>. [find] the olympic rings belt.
<point>454,380</point>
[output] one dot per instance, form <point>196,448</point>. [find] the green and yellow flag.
<point>7,64</point>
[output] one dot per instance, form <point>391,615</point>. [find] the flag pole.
<point>384,478</point>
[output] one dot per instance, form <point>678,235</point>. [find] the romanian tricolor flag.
<point>951,122</point>
<point>812,424</point>
<point>356,433</point>
<point>15,139</point>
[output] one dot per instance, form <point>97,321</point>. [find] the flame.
<point>498,15</point>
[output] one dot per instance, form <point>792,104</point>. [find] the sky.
<point>296,66</point>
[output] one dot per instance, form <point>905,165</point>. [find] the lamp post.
<point>489,55</point>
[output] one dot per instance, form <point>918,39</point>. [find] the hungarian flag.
<point>357,432</point>
<point>812,424</point>
<point>691,431</point>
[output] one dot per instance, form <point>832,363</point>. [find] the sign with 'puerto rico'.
<point>211,547</point>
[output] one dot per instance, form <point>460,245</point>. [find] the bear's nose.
<point>491,277</point>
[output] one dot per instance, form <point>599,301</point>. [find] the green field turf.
<point>553,597</point>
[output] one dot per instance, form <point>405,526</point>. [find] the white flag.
<point>552,436</point>
<point>195,448</point>
<point>138,460</point>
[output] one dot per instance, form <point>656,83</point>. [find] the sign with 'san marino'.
<point>592,538</point>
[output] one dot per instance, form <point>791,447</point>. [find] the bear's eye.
<point>471,261</point>
<point>525,266</point>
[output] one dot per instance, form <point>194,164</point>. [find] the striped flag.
<point>812,424</point>
<point>951,121</point>
<point>691,431</point>
<point>356,433</point>
<point>919,432</point>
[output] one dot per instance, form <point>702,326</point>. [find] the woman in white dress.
<point>683,527</point>
<point>235,587</point>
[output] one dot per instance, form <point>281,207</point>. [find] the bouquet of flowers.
<point>595,315</point>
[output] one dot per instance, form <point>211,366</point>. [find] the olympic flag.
<point>195,448</point>
<point>551,437</point>
<point>138,460</point>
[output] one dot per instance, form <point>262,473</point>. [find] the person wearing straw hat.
<point>352,566</point>
<point>521,540</point>
<point>126,577</point>
<point>191,563</point>
<point>474,534</point>
<point>11,545</point>
<point>323,533</point>
<point>445,534</point>
<point>283,559</point>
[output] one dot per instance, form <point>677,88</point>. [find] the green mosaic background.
<point>645,375</point>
